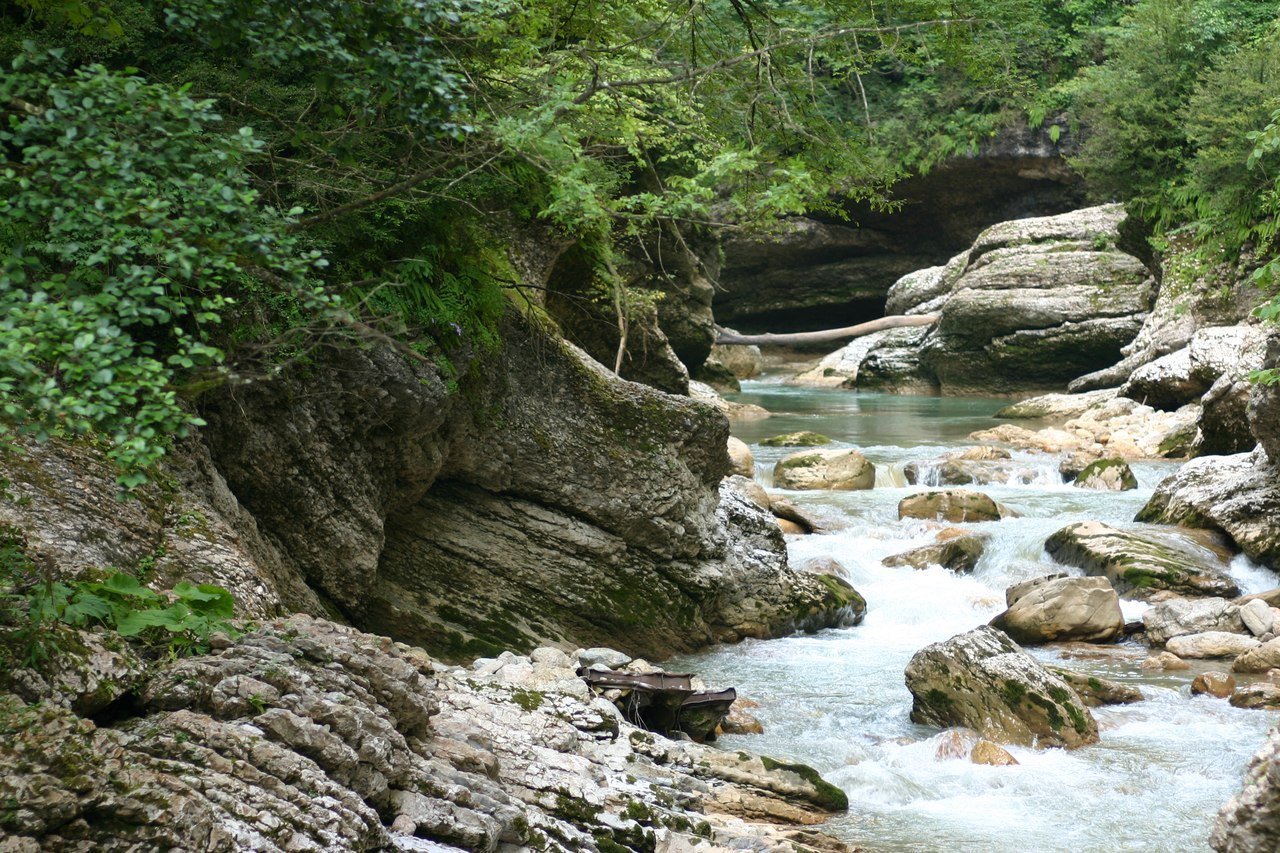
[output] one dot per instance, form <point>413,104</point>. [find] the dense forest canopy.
<point>196,192</point>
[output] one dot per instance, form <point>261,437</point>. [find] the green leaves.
<point>185,618</point>
<point>126,216</point>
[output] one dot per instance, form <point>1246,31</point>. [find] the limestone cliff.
<point>544,501</point>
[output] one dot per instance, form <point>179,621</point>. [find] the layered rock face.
<point>546,505</point>
<point>542,502</point>
<point>815,274</point>
<point>1031,305</point>
<point>309,736</point>
<point>1141,562</point>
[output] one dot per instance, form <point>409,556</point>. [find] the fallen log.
<point>896,321</point>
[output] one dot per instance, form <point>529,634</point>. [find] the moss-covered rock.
<point>824,469</point>
<point>1142,561</point>
<point>797,439</point>
<point>984,681</point>
<point>954,505</point>
<point>1106,475</point>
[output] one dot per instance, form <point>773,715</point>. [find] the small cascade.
<point>836,700</point>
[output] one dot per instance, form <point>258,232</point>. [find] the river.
<point>836,699</point>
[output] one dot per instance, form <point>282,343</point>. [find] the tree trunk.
<point>897,321</point>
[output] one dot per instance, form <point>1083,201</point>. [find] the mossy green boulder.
<point>1142,561</point>
<point>803,438</point>
<point>1107,475</point>
<point>983,680</point>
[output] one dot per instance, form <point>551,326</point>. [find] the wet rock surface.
<point>1139,562</point>
<point>1056,608</point>
<point>824,469</point>
<point>953,505</point>
<point>984,681</point>
<point>1238,495</point>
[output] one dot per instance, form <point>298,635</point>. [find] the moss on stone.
<point>828,796</point>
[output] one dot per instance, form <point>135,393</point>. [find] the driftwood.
<point>897,321</point>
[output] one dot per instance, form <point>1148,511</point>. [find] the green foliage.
<point>127,223</point>
<point>380,59</point>
<point>34,607</point>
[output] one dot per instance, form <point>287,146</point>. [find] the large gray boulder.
<point>1053,609</point>
<point>1250,821</point>
<point>1032,304</point>
<point>1211,644</point>
<point>1179,616</point>
<point>1165,383</point>
<point>984,681</point>
<point>1238,495</point>
<point>1141,562</point>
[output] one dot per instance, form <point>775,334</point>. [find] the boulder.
<point>797,439</point>
<point>602,657</point>
<point>1057,608</point>
<point>741,460</point>
<point>993,755</point>
<point>1038,304</point>
<point>1224,426</point>
<point>1166,383</point>
<point>1094,690</point>
<point>1164,661</point>
<point>807,519</point>
<point>740,721</point>
<point>983,680</point>
<point>959,554</point>
<point>1217,684</point>
<point>824,469</point>
<point>954,505</point>
<point>1239,495</point>
<point>895,364</point>
<point>742,360</point>
<point>718,376</point>
<point>1180,616</point>
<point>1260,659</point>
<point>1141,562</point>
<point>1263,696</point>
<point>1250,821</point>
<point>750,489</point>
<point>839,369</point>
<point>1257,617</point>
<point>1106,475</point>
<point>791,528</point>
<point>1211,644</point>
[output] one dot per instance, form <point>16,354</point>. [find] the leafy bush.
<point>34,607</point>
<point>128,221</point>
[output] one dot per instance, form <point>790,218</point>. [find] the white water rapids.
<point>836,699</point>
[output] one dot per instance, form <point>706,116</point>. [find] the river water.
<point>836,700</point>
